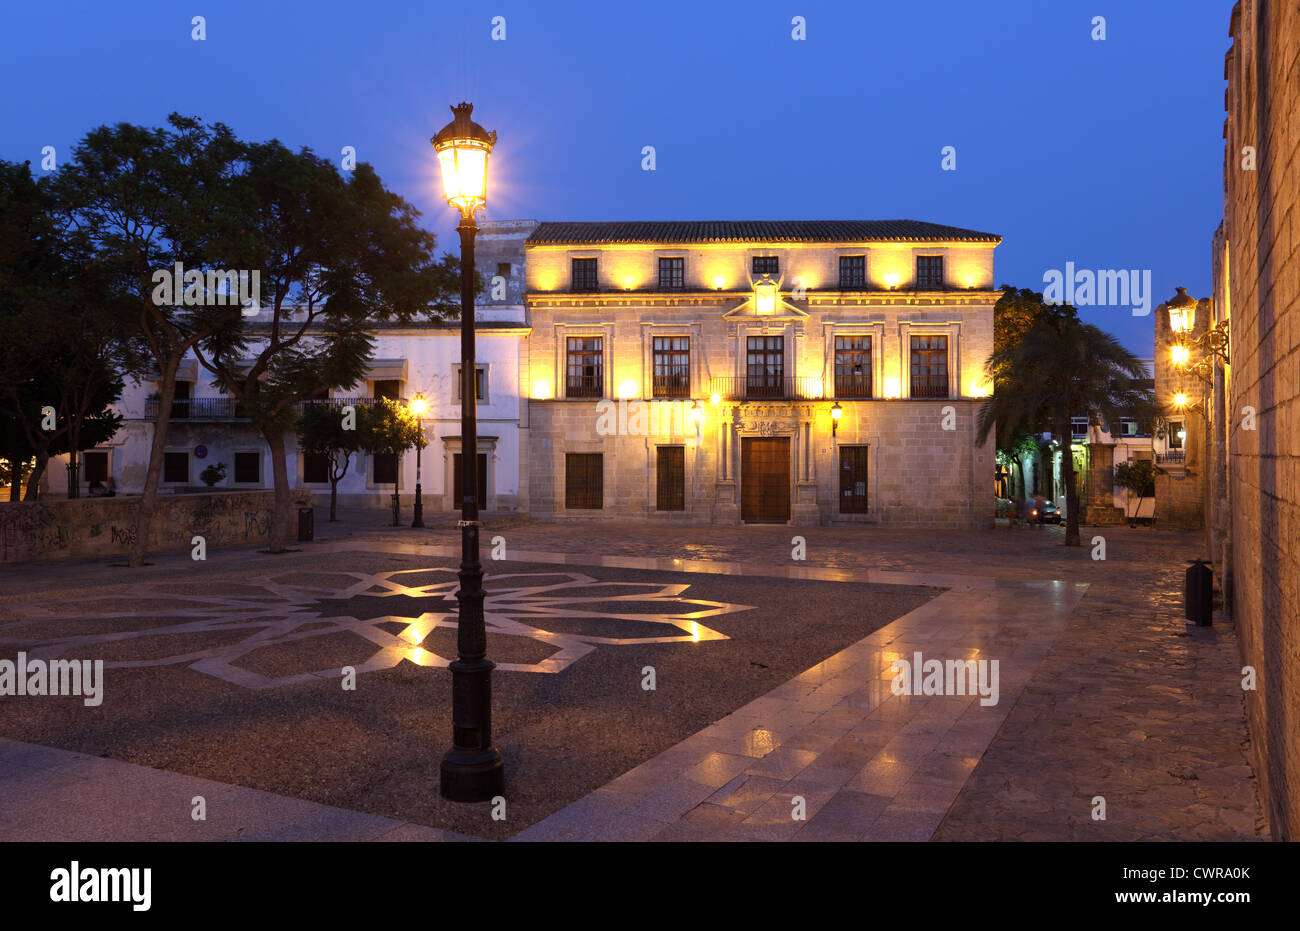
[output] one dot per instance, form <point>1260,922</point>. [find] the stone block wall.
<point>1262,268</point>
<point>88,527</point>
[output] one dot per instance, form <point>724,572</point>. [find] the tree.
<point>336,255</point>
<point>322,430</point>
<point>147,200</point>
<point>62,354</point>
<point>1058,368</point>
<point>389,428</point>
<point>1139,478</point>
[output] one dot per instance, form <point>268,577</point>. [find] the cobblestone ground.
<point>1132,704</point>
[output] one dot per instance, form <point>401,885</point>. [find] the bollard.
<point>306,525</point>
<point>1198,593</point>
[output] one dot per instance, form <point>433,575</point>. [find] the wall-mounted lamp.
<point>836,413</point>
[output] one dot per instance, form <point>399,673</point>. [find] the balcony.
<point>853,386</point>
<point>1178,456</point>
<point>764,386</point>
<point>676,383</point>
<point>584,386</point>
<point>929,386</point>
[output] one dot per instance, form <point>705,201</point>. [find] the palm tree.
<point>1057,369</point>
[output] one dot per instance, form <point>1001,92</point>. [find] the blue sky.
<point>1107,154</point>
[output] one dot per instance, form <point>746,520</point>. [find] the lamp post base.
<point>419,507</point>
<point>472,775</point>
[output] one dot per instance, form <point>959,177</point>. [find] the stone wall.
<point>89,527</point>
<point>1262,268</point>
<point>919,474</point>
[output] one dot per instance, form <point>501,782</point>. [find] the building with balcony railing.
<point>754,331</point>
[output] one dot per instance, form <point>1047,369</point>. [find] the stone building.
<point>1183,404</point>
<point>1256,401</point>
<point>802,372</point>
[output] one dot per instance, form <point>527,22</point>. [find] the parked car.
<point>1049,513</point>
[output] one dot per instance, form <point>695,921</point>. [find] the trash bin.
<point>1198,594</point>
<point>306,525</point>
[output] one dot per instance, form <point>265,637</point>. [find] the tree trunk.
<point>16,479</point>
<point>334,500</point>
<point>153,478</point>
<point>34,480</point>
<point>1071,492</point>
<point>74,441</point>
<point>282,510</point>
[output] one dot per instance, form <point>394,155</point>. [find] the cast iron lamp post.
<point>418,407</point>
<point>472,770</point>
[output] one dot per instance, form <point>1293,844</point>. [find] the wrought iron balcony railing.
<point>1172,455</point>
<point>852,386</point>
<point>584,386</point>
<point>674,384</point>
<point>231,409</point>
<point>766,386</point>
<point>929,386</point>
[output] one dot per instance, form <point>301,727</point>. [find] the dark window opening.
<point>670,478</point>
<point>584,481</point>
<point>853,479</point>
<point>853,271</point>
<point>385,466</point>
<point>672,274</point>
<point>929,272</point>
<point>248,468</point>
<point>584,275</point>
<point>766,265</point>
<point>315,469</point>
<point>95,467</point>
<point>176,467</point>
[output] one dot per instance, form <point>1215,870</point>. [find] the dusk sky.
<point>1107,154</point>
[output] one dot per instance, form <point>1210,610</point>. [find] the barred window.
<point>930,366</point>
<point>672,366</point>
<point>853,366</point>
<point>586,367</point>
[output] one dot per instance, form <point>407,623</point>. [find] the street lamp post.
<point>418,407</point>
<point>472,770</point>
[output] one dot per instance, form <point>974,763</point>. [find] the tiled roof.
<point>672,231</point>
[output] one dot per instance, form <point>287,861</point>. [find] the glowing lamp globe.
<point>463,147</point>
<point>1182,312</point>
<point>419,405</point>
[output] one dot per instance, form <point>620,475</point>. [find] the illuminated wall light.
<point>1180,355</point>
<point>892,388</point>
<point>627,388</point>
<point>1180,399</point>
<point>715,399</point>
<point>891,281</point>
<point>765,298</point>
<point>815,386</point>
<point>980,389</point>
<point>541,389</point>
<point>718,282</point>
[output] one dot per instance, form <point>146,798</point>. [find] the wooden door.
<point>765,479</point>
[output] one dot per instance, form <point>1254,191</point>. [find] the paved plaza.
<point>665,683</point>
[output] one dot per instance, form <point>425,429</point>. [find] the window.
<point>929,272</point>
<point>503,269</point>
<point>584,275</point>
<point>853,479</point>
<point>480,383</point>
<point>1177,434</point>
<point>458,482</point>
<point>248,468</point>
<point>94,467</point>
<point>1128,426</point>
<point>765,368</point>
<point>385,468</point>
<point>853,271</point>
<point>1078,426</point>
<point>315,469</point>
<point>390,388</point>
<point>181,406</point>
<point>176,468</point>
<point>853,366</point>
<point>672,274</point>
<point>584,480</point>
<point>672,366</point>
<point>929,367</point>
<point>670,478</point>
<point>585,377</point>
<point>766,265</point>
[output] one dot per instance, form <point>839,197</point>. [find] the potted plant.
<point>213,474</point>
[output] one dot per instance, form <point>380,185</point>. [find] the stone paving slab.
<point>861,761</point>
<point>56,795</point>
